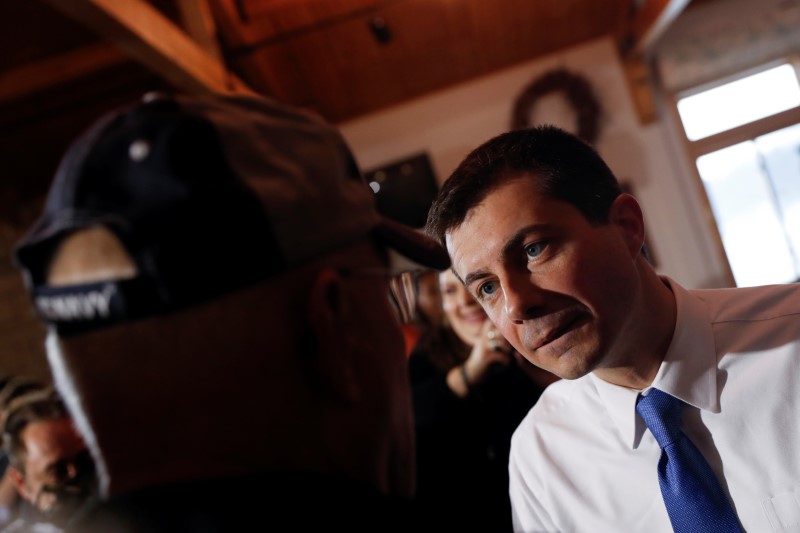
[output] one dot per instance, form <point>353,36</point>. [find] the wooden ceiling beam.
<point>647,25</point>
<point>199,23</point>
<point>45,73</point>
<point>149,37</point>
<point>650,21</point>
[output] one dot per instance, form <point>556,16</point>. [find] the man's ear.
<point>626,214</point>
<point>330,319</point>
<point>19,483</point>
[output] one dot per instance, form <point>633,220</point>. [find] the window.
<point>745,138</point>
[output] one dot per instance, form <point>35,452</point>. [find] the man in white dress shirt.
<point>541,234</point>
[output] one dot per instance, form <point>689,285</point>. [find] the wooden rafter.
<point>152,39</point>
<point>638,77</point>
<point>650,21</point>
<point>198,21</point>
<point>51,71</point>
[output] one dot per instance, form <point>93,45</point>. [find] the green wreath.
<point>578,93</point>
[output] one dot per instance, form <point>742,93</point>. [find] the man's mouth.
<point>561,327</point>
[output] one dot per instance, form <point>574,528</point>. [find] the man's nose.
<point>522,297</point>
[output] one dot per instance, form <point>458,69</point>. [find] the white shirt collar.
<point>688,372</point>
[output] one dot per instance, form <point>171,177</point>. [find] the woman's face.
<point>465,315</point>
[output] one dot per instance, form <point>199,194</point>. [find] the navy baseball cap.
<point>207,195</point>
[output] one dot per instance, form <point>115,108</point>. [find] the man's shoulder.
<point>742,304</point>
<point>753,319</point>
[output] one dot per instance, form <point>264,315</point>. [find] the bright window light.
<point>739,102</point>
<point>754,192</point>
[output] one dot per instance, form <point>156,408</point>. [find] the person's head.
<point>541,235</point>
<point>49,462</point>
<point>429,298</point>
<point>12,388</point>
<point>564,167</point>
<point>215,274</point>
<point>464,314</point>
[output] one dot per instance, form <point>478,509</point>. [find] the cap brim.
<point>411,244</point>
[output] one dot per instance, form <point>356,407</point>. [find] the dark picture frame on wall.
<point>404,189</point>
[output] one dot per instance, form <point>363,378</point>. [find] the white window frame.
<point>730,137</point>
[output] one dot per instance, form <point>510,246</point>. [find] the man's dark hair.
<point>564,167</point>
<point>34,407</point>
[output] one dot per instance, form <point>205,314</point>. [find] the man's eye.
<point>487,289</point>
<point>534,250</point>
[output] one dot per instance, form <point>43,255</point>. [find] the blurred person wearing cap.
<point>216,279</point>
<point>49,462</point>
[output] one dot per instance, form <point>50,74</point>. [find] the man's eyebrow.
<point>515,242</point>
<point>509,248</point>
<point>474,276</point>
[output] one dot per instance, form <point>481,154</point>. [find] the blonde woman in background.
<point>470,391</point>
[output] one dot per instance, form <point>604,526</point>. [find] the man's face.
<point>560,289</point>
<point>58,473</point>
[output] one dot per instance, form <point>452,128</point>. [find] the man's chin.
<point>566,366</point>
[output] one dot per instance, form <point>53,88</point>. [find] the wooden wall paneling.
<point>613,16</point>
<point>235,32</point>
<point>306,71</point>
<point>312,69</point>
<point>345,71</point>
<point>290,11</point>
<point>325,66</point>
<point>359,70</point>
<point>521,30</point>
<point>493,36</point>
<point>539,29</point>
<point>339,68</point>
<point>272,70</point>
<point>431,48</point>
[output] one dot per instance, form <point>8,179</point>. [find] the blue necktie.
<point>694,498</point>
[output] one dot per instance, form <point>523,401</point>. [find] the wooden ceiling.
<point>66,61</point>
<point>349,58</point>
